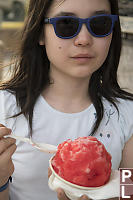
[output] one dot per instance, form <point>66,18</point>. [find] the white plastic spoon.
<point>47,148</point>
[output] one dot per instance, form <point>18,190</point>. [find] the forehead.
<point>81,8</point>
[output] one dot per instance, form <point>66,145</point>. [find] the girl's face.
<point>82,55</point>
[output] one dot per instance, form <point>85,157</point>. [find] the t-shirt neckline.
<point>52,109</point>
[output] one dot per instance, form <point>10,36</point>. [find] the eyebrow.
<point>102,12</point>
<point>98,12</point>
<point>65,14</point>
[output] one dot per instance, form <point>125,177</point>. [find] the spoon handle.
<point>47,148</point>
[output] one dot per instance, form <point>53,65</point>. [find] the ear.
<point>41,42</point>
<point>41,39</point>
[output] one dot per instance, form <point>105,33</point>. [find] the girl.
<point>64,86</point>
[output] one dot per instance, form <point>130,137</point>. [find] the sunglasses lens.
<point>101,25</point>
<point>66,27</point>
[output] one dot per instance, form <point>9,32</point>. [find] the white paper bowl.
<point>73,191</point>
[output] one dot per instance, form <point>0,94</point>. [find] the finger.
<point>7,154</point>
<point>6,143</point>
<point>1,125</point>
<point>7,168</point>
<point>84,197</point>
<point>4,131</point>
<point>11,167</point>
<point>49,172</point>
<point>61,194</point>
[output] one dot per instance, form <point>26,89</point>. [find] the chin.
<point>82,76</point>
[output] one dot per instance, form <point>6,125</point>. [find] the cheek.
<point>104,46</point>
<point>55,49</point>
<point>52,42</point>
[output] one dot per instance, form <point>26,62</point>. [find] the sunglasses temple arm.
<point>47,20</point>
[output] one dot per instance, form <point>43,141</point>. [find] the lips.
<point>83,56</point>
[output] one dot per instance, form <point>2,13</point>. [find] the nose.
<point>84,37</point>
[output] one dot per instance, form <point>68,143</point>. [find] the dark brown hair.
<point>31,73</point>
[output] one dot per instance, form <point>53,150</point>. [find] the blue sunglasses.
<point>67,27</point>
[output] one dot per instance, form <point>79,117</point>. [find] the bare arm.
<point>127,155</point>
<point>7,148</point>
<point>5,194</point>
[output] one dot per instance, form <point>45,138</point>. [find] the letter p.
<point>126,174</point>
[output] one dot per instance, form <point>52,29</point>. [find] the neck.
<point>68,94</point>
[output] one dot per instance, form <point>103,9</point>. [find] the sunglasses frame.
<point>81,21</point>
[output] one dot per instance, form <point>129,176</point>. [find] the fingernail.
<point>9,130</point>
<point>60,192</point>
<point>84,197</point>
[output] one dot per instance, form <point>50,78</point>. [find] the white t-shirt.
<point>51,126</point>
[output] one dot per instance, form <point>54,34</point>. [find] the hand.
<point>61,194</point>
<point>7,148</point>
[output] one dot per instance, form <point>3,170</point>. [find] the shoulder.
<point>124,106</point>
<point>8,106</point>
<point>7,98</point>
<point>125,119</point>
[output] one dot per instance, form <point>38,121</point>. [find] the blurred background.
<point>13,13</point>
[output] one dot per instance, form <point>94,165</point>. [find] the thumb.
<point>49,172</point>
